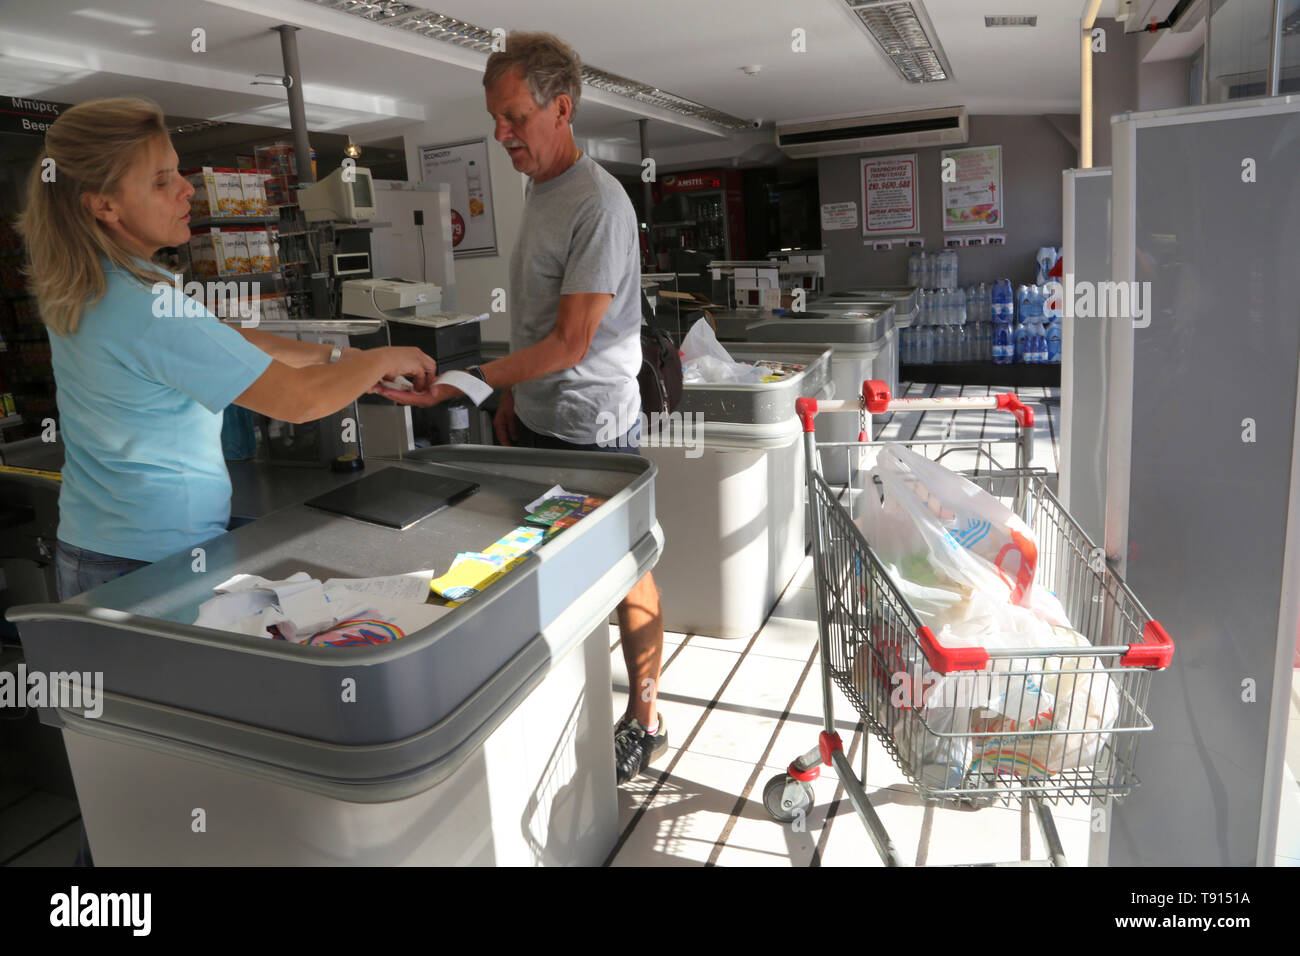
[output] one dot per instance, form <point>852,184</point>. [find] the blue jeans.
<point>80,570</point>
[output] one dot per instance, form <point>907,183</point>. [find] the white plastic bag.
<point>965,563</point>
<point>970,537</point>
<point>705,361</point>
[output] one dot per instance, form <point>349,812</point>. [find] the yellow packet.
<point>469,574</point>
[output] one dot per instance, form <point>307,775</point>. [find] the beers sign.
<point>32,117</point>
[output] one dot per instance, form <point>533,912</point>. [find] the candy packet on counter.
<point>516,544</point>
<point>558,507</point>
<point>472,571</point>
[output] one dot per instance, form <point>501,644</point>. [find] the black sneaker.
<point>634,750</point>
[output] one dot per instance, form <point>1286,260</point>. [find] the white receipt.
<point>476,389</point>
<point>555,492</point>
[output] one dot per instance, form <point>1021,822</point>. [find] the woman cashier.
<point>142,384</point>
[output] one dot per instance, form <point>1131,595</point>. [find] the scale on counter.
<point>395,497</point>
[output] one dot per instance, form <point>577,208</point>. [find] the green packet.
<point>562,506</point>
<point>552,510</point>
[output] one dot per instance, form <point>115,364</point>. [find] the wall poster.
<point>464,167</point>
<point>974,199</point>
<point>889,196</point>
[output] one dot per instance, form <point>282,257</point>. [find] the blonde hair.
<point>550,67</point>
<point>92,146</point>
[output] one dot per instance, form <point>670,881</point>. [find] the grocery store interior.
<point>1031,260</point>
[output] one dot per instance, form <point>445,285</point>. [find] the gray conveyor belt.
<point>277,708</point>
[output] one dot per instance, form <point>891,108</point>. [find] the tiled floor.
<point>738,712</point>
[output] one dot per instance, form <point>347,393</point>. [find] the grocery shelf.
<point>983,373</point>
<point>207,221</point>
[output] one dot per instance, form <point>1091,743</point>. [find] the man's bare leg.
<point>642,626</point>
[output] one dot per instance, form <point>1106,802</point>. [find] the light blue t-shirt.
<point>140,399</point>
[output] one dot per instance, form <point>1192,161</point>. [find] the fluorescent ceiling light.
<point>437,26</point>
<point>115,19</point>
<point>904,33</point>
<point>1026,21</point>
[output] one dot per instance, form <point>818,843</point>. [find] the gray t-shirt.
<point>579,234</point>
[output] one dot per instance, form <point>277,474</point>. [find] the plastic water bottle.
<point>1054,342</point>
<point>914,269</point>
<point>1004,346</point>
<point>457,424</point>
<point>961,328</point>
<point>1002,316</point>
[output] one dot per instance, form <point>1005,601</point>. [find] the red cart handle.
<point>1023,413</point>
<point>1155,651</point>
<point>945,660</point>
<point>876,394</point>
<point>806,409</point>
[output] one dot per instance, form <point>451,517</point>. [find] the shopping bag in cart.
<point>964,533</point>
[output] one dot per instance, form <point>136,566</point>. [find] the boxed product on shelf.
<point>259,250</point>
<point>203,204</point>
<point>254,194</point>
<point>203,255</point>
<point>278,190</point>
<point>233,258</point>
<point>277,160</point>
<point>273,307</point>
<point>230,193</point>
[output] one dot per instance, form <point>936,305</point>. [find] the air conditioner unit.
<point>876,133</point>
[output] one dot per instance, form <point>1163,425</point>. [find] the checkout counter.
<point>483,738</point>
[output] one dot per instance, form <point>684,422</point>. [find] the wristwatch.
<point>477,373</point>
<point>336,353</point>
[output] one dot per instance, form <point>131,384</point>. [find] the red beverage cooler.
<point>703,211</point>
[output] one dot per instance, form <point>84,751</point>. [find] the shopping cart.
<point>1080,747</point>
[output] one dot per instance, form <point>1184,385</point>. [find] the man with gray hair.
<point>575,321</point>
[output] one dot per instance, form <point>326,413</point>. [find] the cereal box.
<point>254,193</point>
<point>203,203</point>
<point>234,251</point>
<point>259,250</point>
<point>203,254</point>
<point>230,193</point>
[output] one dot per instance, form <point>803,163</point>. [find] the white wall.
<point>476,277</point>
